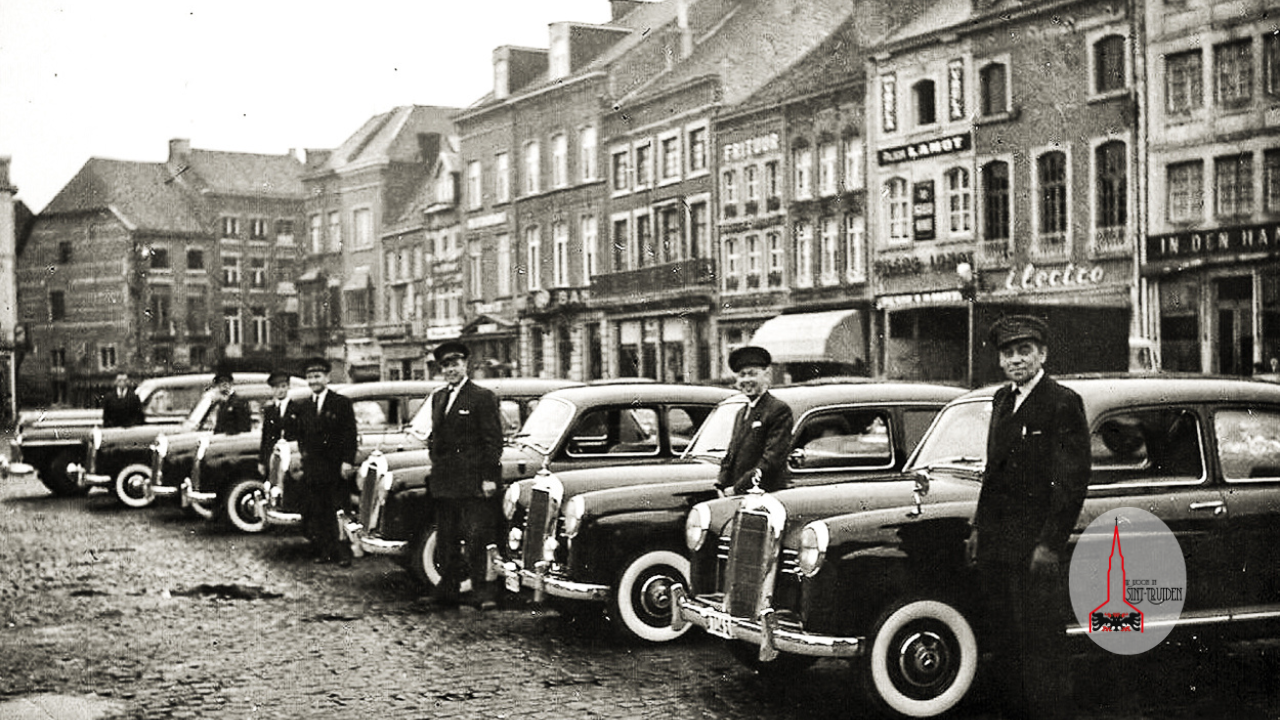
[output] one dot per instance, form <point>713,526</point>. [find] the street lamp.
<point>969,292</point>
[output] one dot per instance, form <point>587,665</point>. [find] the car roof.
<point>802,397</point>
<point>206,379</point>
<point>640,393</point>
<point>386,387</point>
<point>507,387</point>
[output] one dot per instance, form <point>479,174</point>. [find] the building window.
<point>590,238</point>
<point>257,229</point>
<point>64,252</point>
<point>502,177</point>
<point>644,165</point>
<point>829,252</point>
<point>897,211</point>
<point>587,149</point>
<point>1183,82</point>
<point>752,182</point>
<point>732,264</point>
<point>1271,63</point>
<point>533,246</point>
<point>996,211</point>
<point>284,232</point>
<point>959,201</point>
<point>1051,173</point>
<point>646,251</point>
<point>257,272</point>
<point>475,270</point>
<point>621,241</point>
<point>316,234</point>
<point>804,173</point>
<point>926,102</point>
<point>504,266</point>
<point>559,255</point>
<point>1112,166</point>
<point>57,305</point>
<point>803,257</point>
<point>195,259</point>
<point>855,263</point>
<point>1233,74</point>
<point>1186,191</point>
<point>993,80</point>
<point>1271,180</point>
<point>559,160</point>
<point>532,168</point>
<point>1109,64</point>
<point>232,326</point>
<point>362,223</point>
<point>1233,182</point>
<point>698,225</point>
<point>753,261</point>
<point>771,189</point>
<point>197,315</point>
<point>259,328</point>
<point>672,239</point>
<point>58,358</point>
<point>671,158</point>
<point>827,165</point>
<point>159,258</point>
<point>697,149</point>
<point>621,171</point>
<point>335,232</point>
<point>231,271</point>
<point>776,259</point>
<point>107,357</point>
<point>230,227</point>
<point>853,163</point>
<point>729,190</point>
<point>475,196</point>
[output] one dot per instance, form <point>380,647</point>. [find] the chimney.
<point>4,175</point>
<point>179,150</point>
<point>682,23</point>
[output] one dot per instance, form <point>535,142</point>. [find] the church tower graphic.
<point>1117,614</point>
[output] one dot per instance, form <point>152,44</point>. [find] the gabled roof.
<point>392,136</point>
<point>144,195</point>
<point>424,196</point>
<point>233,173</point>
<point>941,15</point>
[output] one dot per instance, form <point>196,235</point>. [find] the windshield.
<point>201,410</point>
<point>420,425</point>
<point>546,424</point>
<point>958,438</point>
<point>713,437</point>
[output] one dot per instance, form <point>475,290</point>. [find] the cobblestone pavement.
<point>174,618</point>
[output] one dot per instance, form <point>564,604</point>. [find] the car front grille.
<point>157,467</point>
<point>370,498</point>
<point>537,525</point>
<point>748,563</point>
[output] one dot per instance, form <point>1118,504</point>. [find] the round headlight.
<point>515,538</point>
<point>813,548</point>
<point>695,527</point>
<point>549,547</point>
<point>511,500</point>
<point>573,511</point>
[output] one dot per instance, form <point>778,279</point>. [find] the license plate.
<point>720,625</point>
<point>513,583</point>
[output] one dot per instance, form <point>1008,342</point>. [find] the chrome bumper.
<point>541,582</point>
<point>271,515</point>
<point>86,479</point>
<point>190,496</point>
<point>770,635</point>
<point>363,542</point>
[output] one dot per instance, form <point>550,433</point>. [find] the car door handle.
<point>1216,506</point>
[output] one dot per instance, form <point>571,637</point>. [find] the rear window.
<point>1156,446</point>
<point>1248,444</point>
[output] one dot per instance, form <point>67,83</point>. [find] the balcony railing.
<point>660,279</point>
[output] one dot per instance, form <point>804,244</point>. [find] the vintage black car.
<point>278,506</point>
<point>47,441</point>
<point>616,535</point>
<point>227,477</point>
<point>877,572</point>
<point>624,423</point>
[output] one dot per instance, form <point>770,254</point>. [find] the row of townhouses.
<point>861,187</point>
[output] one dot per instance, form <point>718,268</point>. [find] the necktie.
<point>319,397</point>
<point>1014,397</point>
<point>453,395</point>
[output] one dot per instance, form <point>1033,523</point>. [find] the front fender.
<point>604,544</point>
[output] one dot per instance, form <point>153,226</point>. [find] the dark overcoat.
<point>761,437</point>
<point>465,442</point>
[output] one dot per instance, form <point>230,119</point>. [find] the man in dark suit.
<point>279,419</point>
<point>1034,485</point>
<point>122,407</point>
<point>757,450</point>
<point>466,452</point>
<point>326,426</point>
<point>232,414</point>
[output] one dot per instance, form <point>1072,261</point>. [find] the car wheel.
<point>783,667</point>
<point>424,565</point>
<point>922,660</point>
<point>641,603</point>
<point>55,477</point>
<point>197,510</point>
<point>240,508</point>
<point>133,486</point>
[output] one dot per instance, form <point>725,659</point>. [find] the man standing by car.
<point>233,415</point>
<point>278,419</point>
<point>326,426</point>
<point>758,448</point>
<point>1036,476</point>
<point>122,407</point>
<point>466,452</point>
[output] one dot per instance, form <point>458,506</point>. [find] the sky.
<point>118,79</point>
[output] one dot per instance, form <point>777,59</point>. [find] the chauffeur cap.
<point>450,349</point>
<point>749,356</point>
<point>317,364</point>
<point>277,377</point>
<point>1012,328</point>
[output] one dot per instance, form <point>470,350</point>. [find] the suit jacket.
<point>275,427</point>
<point>1037,473</point>
<point>122,411</point>
<point>233,415</point>
<point>761,436</point>
<point>328,439</point>
<point>465,443</point>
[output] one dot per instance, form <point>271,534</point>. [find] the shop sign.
<point>906,300</point>
<point>914,265</point>
<point>490,308</point>
<point>1223,241</point>
<point>484,221</point>
<point>1067,276</point>
<point>560,297</point>
<point>926,149</point>
<point>751,147</point>
<point>955,90</point>
<point>444,332</point>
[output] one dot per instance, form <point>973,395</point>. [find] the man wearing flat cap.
<point>757,450</point>
<point>465,446</point>
<point>279,419</point>
<point>232,414</point>
<point>326,427</point>
<point>1033,487</point>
